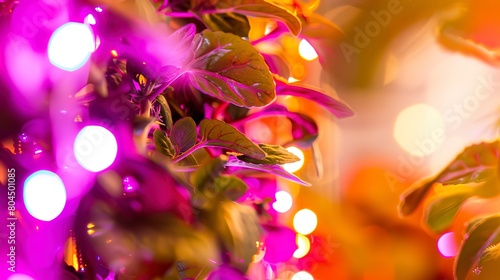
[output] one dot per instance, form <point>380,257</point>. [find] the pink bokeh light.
<point>447,245</point>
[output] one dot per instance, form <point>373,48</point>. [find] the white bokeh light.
<point>70,46</point>
<point>44,195</point>
<point>294,166</point>
<point>95,148</point>
<point>306,51</point>
<point>283,202</point>
<point>303,244</point>
<point>305,221</point>
<point>419,129</point>
<point>302,275</point>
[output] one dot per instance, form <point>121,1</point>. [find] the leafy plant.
<point>189,106</point>
<point>473,174</point>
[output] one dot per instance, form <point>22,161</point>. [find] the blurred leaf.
<point>471,32</point>
<point>476,164</point>
<point>262,9</point>
<point>277,65</point>
<point>273,169</point>
<point>324,36</point>
<point>230,69</point>
<point>443,207</point>
<point>227,22</point>
<point>216,133</point>
<point>166,113</point>
<point>226,272</point>
<point>163,144</point>
<point>275,155</point>
<point>304,128</point>
<point>333,105</point>
<point>237,227</point>
<point>207,173</point>
<point>183,134</point>
<point>484,234</point>
<point>231,186</point>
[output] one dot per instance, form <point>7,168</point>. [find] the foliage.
<point>188,110</point>
<point>473,174</point>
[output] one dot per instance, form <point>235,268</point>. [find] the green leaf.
<point>443,207</point>
<point>163,144</point>
<point>217,133</point>
<point>227,22</point>
<point>275,155</point>
<point>272,169</point>
<point>489,262</point>
<point>230,69</point>
<point>237,227</point>
<point>231,186</point>
<point>206,174</point>
<point>476,164</point>
<point>263,9</point>
<point>484,234</point>
<point>183,134</point>
<point>165,112</point>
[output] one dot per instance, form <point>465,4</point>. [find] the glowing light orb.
<point>20,276</point>
<point>304,246</point>
<point>44,195</point>
<point>90,19</point>
<point>70,46</point>
<point>295,166</point>
<point>130,184</point>
<point>302,275</point>
<point>446,245</point>
<point>306,51</point>
<point>95,148</point>
<point>419,129</point>
<point>305,221</point>
<point>283,202</point>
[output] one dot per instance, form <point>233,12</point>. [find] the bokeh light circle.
<point>302,275</point>
<point>70,46</point>
<point>95,148</point>
<point>304,246</point>
<point>419,129</point>
<point>305,221</point>
<point>306,51</point>
<point>294,166</point>
<point>283,202</point>
<point>446,245</point>
<point>44,195</point>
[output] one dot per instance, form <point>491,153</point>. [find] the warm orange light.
<point>114,53</point>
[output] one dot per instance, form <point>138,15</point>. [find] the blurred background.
<point>418,103</point>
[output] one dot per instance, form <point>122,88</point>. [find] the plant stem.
<point>187,153</point>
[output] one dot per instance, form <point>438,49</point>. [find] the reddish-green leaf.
<point>273,169</point>
<point>163,144</point>
<point>443,207</point>
<point>215,133</point>
<point>230,69</point>
<point>483,234</point>
<point>334,105</point>
<point>183,134</point>
<point>476,164</point>
<point>275,155</point>
<point>261,8</point>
